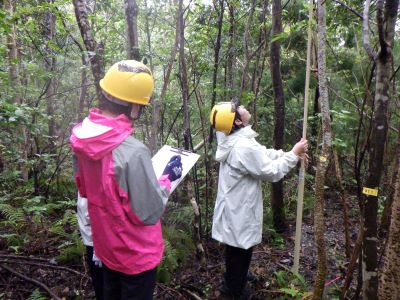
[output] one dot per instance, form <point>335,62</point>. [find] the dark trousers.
<point>237,262</point>
<point>96,273</point>
<point>120,286</point>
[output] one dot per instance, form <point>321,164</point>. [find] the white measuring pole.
<point>300,194</point>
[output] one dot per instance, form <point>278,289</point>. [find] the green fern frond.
<point>181,216</point>
<point>14,216</point>
<point>36,295</point>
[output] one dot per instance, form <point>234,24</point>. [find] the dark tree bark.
<point>277,203</point>
<point>386,15</point>
<point>95,50</point>
<point>131,13</point>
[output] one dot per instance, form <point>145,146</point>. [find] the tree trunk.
<point>157,103</point>
<point>319,221</point>
<point>183,77</point>
<point>344,199</point>
<point>386,21</point>
<point>16,83</point>
<point>389,287</point>
<point>209,165</point>
<point>186,129</point>
<point>231,55</point>
<point>84,89</point>
<point>131,13</point>
<point>217,48</point>
<point>94,49</point>
<point>258,71</point>
<point>277,203</point>
<point>50,63</point>
<point>387,210</point>
<point>248,56</point>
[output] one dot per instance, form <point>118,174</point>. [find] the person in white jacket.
<point>94,264</point>
<point>238,213</point>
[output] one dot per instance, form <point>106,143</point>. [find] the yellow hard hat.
<point>130,81</point>
<point>222,116</point>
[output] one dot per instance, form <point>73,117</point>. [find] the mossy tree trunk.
<point>319,220</point>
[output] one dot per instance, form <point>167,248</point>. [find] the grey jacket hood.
<point>226,142</point>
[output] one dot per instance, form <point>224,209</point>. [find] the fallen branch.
<point>44,266</point>
<point>195,296</point>
<point>38,283</point>
<point>24,257</point>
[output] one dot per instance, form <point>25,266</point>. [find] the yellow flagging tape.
<point>323,158</point>
<point>370,192</point>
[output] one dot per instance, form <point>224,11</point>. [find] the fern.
<point>178,247</point>
<point>14,216</point>
<point>36,295</point>
<point>181,216</point>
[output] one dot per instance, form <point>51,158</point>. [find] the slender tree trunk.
<point>210,181</point>
<point>231,55</point>
<point>319,220</point>
<point>343,198</point>
<point>131,13</point>
<point>13,59</point>
<point>94,49</point>
<point>186,128</point>
<point>386,19</point>
<point>84,89</point>
<point>217,48</point>
<point>258,72</point>
<point>50,64</point>
<point>389,287</point>
<point>184,79</point>
<point>248,56</point>
<point>158,103</point>
<point>277,203</point>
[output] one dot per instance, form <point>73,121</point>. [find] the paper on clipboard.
<point>162,157</point>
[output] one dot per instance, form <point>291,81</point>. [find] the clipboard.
<point>162,157</point>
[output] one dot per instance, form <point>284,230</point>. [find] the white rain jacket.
<point>84,221</point>
<point>244,164</point>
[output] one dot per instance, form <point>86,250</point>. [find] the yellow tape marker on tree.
<point>370,192</point>
<point>323,158</point>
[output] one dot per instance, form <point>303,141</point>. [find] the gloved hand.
<point>173,168</point>
<point>96,260</point>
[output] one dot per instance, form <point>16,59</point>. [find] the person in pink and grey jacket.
<point>113,170</point>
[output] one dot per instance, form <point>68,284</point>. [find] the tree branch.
<point>349,8</point>
<point>367,46</point>
<point>380,24</point>
<point>42,285</point>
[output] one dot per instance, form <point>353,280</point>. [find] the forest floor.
<point>21,275</point>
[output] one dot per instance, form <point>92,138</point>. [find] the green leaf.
<point>280,36</point>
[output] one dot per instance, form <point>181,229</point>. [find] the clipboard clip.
<point>180,151</point>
